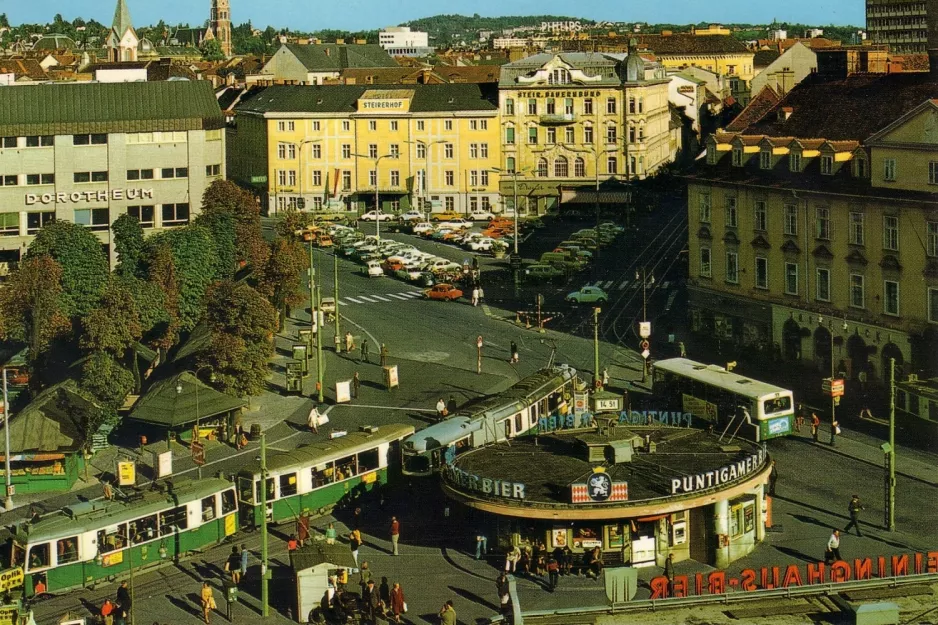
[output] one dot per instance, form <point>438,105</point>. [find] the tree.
<point>193,259</point>
<point>84,265</point>
<point>114,327</point>
<point>4,22</point>
<point>129,244</point>
<point>162,276</point>
<point>241,323</point>
<point>31,308</point>
<point>224,232</point>
<point>106,380</point>
<point>211,50</point>
<point>280,281</point>
<point>224,196</point>
<point>293,221</point>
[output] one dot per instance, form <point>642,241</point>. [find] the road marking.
<point>411,294</point>
<point>383,299</point>
<point>624,284</point>
<point>608,284</point>
<point>395,295</point>
<point>367,299</point>
<point>353,300</point>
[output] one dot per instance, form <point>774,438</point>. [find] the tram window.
<point>143,529</point>
<point>519,426</point>
<point>173,519</point>
<point>345,468</point>
<point>112,539</point>
<point>368,460</point>
<point>67,550</point>
<point>462,445</point>
<point>419,464</point>
<point>774,406</point>
<point>246,489</point>
<point>18,557</point>
<point>507,423</point>
<point>208,508</point>
<point>322,475</point>
<point>228,504</point>
<point>553,400</point>
<point>270,490</point>
<point>38,556</point>
<point>288,485</point>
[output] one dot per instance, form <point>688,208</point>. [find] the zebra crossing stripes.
<point>377,299</point>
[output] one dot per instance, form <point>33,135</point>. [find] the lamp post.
<point>8,501</point>
<point>644,278</point>
<point>830,327</point>
<point>426,172</point>
<point>179,390</point>
<point>314,325</point>
<point>514,173</point>
<point>377,161</point>
<point>265,607</point>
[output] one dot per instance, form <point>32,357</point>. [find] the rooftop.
<point>687,43</point>
<point>336,57</point>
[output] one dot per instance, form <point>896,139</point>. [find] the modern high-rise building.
<point>220,24</point>
<point>900,24</point>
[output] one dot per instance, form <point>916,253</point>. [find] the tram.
<point>312,479</point>
<point>95,540</point>
<point>514,412</point>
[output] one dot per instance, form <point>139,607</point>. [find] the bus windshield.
<point>777,405</point>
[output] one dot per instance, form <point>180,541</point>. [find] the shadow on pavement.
<point>794,553</point>
<point>471,596</point>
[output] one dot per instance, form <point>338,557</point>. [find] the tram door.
<point>701,533</point>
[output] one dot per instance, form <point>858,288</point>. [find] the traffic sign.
<point>645,345</point>
<point>834,388</point>
<point>644,329</point>
<point>198,452</point>
<point>646,354</point>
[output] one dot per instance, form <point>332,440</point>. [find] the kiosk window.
<point>173,519</point>
<point>143,529</point>
<point>368,461</point>
<point>736,520</point>
<point>38,556</point>
<point>112,539</point>
<point>288,485</point>
<point>67,550</point>
<point>228,504</point>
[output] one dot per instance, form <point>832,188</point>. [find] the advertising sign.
<point>580,405</point>
<point>163,461</point>
<point>343,392</point>
<point>390,376</point>
<point>11,578</point>
<point>126,473</point>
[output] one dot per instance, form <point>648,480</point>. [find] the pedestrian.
<point>331,534</point>
<point>865,413</point>
<point>349,342</point>
<point>833,548</point>
<point>605,377</point>
<point>854,508</point>
<point>238,431</point>
<point>451,405</point>
<point>514,352</point>
<point>357,522</point>
<point>567,561</point>
<point>395,534</point>
<point>385,591</point>
<point>398,602</point>
<point>233,565</point>
<point>363,355</point>
<point>356,384</point>
<point>799,418</point>
<point>371,600</point>
<point>354,543</point>
<point>441,409</point>
<point>108,490</point>
<point>596,563</point>
<point>384,355</point>
<point>120,616</point>
<point>292,544</point>
<point>107,612</point>
<point>481,294</point>
<point>680,346</point>
<point>511,559</point>
<point>313,420</point>
<point>482,545</point>
<point>815,426</point>
<point>448,613</point>
<point>669,573</point>
<point>503,589</point>
<point>244,560</point>
<point>364,576</point>
<point>475,296</point>
<point>835,432</point>
<point>553,572</point>
<point>773,477</point>
<point>123,596</point>
<point>208,602</point>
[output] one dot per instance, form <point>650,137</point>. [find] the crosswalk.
<point>615,285</point>
<point>403,296</point>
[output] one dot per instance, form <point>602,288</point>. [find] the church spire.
<point>121,19</point>
<point>121,45</point>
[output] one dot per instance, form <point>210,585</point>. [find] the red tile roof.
<point>758,106</point>
<point>23,67</point>
<point>686,43</point>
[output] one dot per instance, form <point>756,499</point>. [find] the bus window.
<point>345,468</point>
<point>321,474</point>
<point>774,406</point>
<point>208,508</point>
<point>246,489</point>
<point>175,519</point>
<point>67,550</point>
<point>462,445</point>
<point>288,485</point>
<point>112,539</point>
<point>228,504</point>
<point>38,556</point>
<point>368,460</point>
<point>143,529</point>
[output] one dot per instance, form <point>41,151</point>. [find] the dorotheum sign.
<point>76,197</point>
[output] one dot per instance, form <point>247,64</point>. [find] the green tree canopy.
<point>128,243</point>
<point>106,380</point>
<point>281,279</point>
<point>114,326</point>
<point>161,274</point>
<point>193,260</point>
<point>224,196</point>
<point>223,228</point>
<point>211,50</point>
<point>84,265</point>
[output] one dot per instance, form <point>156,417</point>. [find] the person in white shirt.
<point>833,548</point>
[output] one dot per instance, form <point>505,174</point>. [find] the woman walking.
<point>208,601</point>
<point>398,603</point>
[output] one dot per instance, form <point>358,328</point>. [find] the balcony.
<point>559,119</point>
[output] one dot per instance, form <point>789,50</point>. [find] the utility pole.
<point>8,501</point>
<point>313,313</point>
<point>335,293</point>
<point>596,377</point>
<point>319,371</point>
<point>891,501</point>
<point>830,324</point>
<point>265,607</point>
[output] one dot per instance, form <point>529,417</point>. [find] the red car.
<point>443,292</point>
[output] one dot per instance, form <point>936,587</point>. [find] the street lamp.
<point>8,501</point>
<point>179,390</point>
<point>644,278</point>
<point>830,327</point>
<point>516,264</point>
<point>377,161</point>
<point>426,172</point>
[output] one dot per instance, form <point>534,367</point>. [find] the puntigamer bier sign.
<point>76,197</point>
<point>715,477</point>
<point>483,485</point>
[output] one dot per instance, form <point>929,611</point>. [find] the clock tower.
<point>220,24</point>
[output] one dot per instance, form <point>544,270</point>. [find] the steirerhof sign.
<point>384,101</point>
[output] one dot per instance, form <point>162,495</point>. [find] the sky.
<point>308,15</point>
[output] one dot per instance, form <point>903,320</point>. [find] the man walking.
<point>833,548</point>
<point>504,593</point>
<point>773,477</point>
<point>244,560</point>
<point>553,572</point>
<point>364,353</point>
<point>123,601</point>
<point>854,508</point>
<point>475,296</point>
<point>349,342</point>
<point>354,543</point>
<point>669,573</point>
<point>448,613</point>
<point>482,546</point>
<point>384,355</point>
<point>440,409</point>
<point>395,534</point>
<point>356,384</point>
<point>815,426</point>
<point>514,353</point>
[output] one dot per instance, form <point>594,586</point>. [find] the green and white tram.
<point>95,540</point>
<point>712,393</point>
<point>313,478</point>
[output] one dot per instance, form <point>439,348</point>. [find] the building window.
<point>168,173</point>
<point>346,151</point>
<point>890,297</point>
<point>44,141</point>
<point>509,106</point>
<point>473,150</point>
<point>175,214</point>
<point>420,124</point>
<point>765,159</point>
<point>560,167</point>
<point>395,178</point>
<point>791,219</point>
<point>394,150</point>
<point>762,272</point>
<point>393,125</point>
<point>532,106</point>
<point>587,135</point>
<point>95,139</point>
<point>447,124</point>
<point>631,105</point>
<point>510,164</point>
<point>286,151</point>
<point>889,169</point>
<point>532,135</point>
<point>791,278</point>
<point>551,106</point>
<point>144,215</point>
<point>931,236</point>
<point>449,203</point>
<point>711,155</point>
<point>612,165</point>
<point>827,164</point>
<point>587,106</point>
<point>317,203</point>
<point>39,179</point>
<point>35,221</point>
<point>823,293</point>
<point>611,134</point>
<point>212,170</point>
<point>857,230</point>
<point>372,125</point>
<point>372,177</point>
<point>891,233</point>
<point>551,136</point>
<point>794,161</point>
<point>704,207</point>
<point>510,135</point>
<point>857,291</point>
<point>579,168</point>
<point>9,224</point>
<point>484,177</point>
<point>447,150</point>
<point>737,157</point>
<point>316,126</point>
<point>286,126</point>
<point>9,180</point>
<point>731,214</point>
<point>542,168</point>
<point>568,106</point>
<point>933,172</point>
<point>933,305</point>
<point>92,218</point>
<point>372,150</point>
<point>823,224</point>
<point>610,106</point>
<point>473,178</point>
<point>8,142</point>
<point>569,135</point>
<point>346,180</point>
<point>705,263</point>
<point>449,177</point>
<point>317,178</point>
<point>346,125</point>
<point>317,150</point>
<point>90,176</point>
<point>732,267</point>
<point>421,150</point>
<point>860,167</point>
<point>760,217</point>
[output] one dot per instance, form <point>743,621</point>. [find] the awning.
<point>588,197</point>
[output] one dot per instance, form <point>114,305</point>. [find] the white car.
<point>481,215</point>
<point>483,244</point>
<point>373,270</point>
<point>412,216</point>
<point>454,224</point>
<point>376,216</point>
<point>423,226</point>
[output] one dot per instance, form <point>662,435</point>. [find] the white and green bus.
<point>752,409</point>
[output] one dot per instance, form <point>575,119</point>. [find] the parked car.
<point>390,266</point>
<point>588,295</point>
<point>445,292</point>
<point>441,264</point>
<point>327,305</point>
<point>458,223</point>
<point>445,216</point>
<point>373,269</point>
<point>540,271</point>
<point>481,244</point>
<point>481,215</point>
<point>423,226</point>
<point>376,216</point>
<point>412,216</point>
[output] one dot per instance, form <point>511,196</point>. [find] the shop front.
<point>636,493</point>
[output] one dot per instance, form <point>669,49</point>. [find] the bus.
<point>95,540</point>
<point>722,397</point>
<point>514,412</point>
<point>312,479</point>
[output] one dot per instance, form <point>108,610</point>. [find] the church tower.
<point>220,24</point>
<point>122,41</point>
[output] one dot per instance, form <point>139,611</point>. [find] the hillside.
<point>444,27</point>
